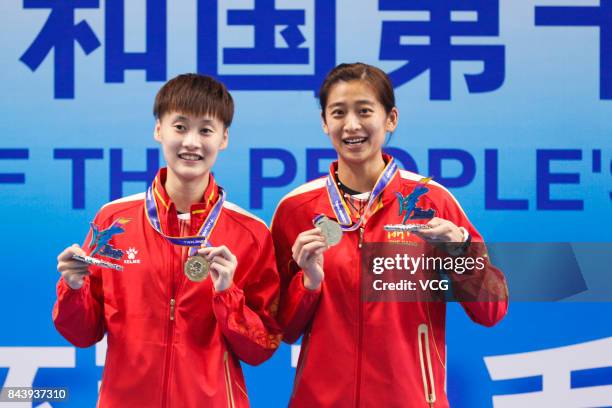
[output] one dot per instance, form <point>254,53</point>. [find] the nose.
<point>191,141</point>
<point>352,123</point>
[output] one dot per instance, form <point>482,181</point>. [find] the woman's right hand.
<point>308,254</point>
<point>72,271</point>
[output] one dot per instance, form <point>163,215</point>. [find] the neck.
<point>360,176</point>
<point>185,193</point>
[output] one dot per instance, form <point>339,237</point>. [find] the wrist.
<point>461,246</point>
<point>310,283</point>
<point>74,285</point>
<point>222,286</point>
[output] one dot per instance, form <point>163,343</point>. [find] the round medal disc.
<point>331,230</point>
<point>196,268</point>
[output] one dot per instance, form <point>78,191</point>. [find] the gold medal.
<point>196,268</point>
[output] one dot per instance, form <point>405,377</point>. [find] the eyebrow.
<point>186,119</point>
<point>359,102</point>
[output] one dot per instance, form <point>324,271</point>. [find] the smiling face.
<point>356,122</point>
<point>190,144</point>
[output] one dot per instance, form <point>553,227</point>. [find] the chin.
<point>359,157</point>
<point>190,173</point>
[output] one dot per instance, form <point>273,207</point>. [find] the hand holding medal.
<point>221,264</point>
<point>307,252</point>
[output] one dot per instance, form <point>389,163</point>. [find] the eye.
<point>180,128</point>
<point>336,112</point>
<point>365,111</point>
<point>206,131</point>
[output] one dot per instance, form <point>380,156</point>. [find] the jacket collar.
<point>167,209</point>
<point>388,195</point>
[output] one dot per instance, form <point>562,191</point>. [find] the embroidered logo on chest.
<point>131,253</point>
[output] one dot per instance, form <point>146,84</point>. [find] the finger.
<point>446,225</point>
<point>318,252</point>
<point>314,231</point>
<point>226,257</point>
<point>64,265</point>
<point>432,232</point>
<point>298,246</point>
<point>220,251</point>
<point>67,253</point>
<point>78,250</point>
<point>443,231</point>
<point>204,251</point>
<point>70,273</point>
<point>312,246</point>
<point>213,274</point>
<point>309,235</point>
<point>222,261</point>
<point>214,255</point>
<point>220,269</point>
<point>435,221</point>
<point>305,239</point>
<point>308,250</point>
<point>226,253</point>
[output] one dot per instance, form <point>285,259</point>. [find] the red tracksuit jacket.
<point>367,354</point>
<point>173,342</point>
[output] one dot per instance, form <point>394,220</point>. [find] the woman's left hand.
<point>441,231</point>
<point>222,266</point>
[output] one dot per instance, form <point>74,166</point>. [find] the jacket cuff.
<point>227,294</point>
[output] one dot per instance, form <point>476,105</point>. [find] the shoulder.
<point>244,228</point>
<point>301,196</point>
<point>124,206</point>
<point>244,218</point>
<point>410,179</point>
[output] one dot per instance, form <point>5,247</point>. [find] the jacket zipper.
<point>426,368</point>
<point>360,325</point>
<point>228,381</point>
<point>170,336</point>
<point>172,304</point>
<point>361,236</point>
<point>168,353</point>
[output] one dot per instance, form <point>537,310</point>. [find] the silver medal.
<point>330,229</point>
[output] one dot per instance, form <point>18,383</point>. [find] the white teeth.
<point>355,140</point>
<point>190,156</point>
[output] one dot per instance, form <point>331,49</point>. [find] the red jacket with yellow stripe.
<point>367,354</point>
<point>173,342</point>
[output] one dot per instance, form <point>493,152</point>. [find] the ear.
<point>392,120</point>
<point>324,124</point>
<point>225,140</point>
<point>157,130</point>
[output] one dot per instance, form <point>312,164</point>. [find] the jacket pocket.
<point>426,368</point>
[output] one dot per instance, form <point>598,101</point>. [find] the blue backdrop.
<point>505,102</point>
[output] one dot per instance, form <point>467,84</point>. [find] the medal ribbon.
<point>195,241</point>
<point>340,208</point>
